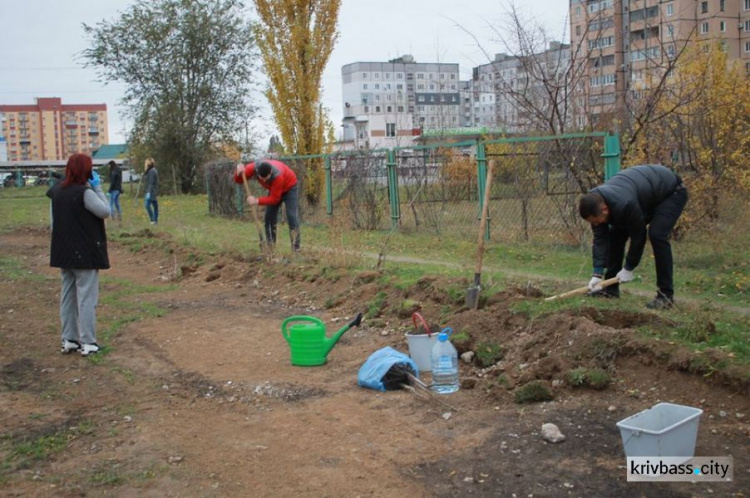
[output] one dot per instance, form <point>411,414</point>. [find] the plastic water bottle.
<point>444,360</point>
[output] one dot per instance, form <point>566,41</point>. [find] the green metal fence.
<point>439,188</point>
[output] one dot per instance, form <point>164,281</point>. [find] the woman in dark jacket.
<point>115,189</point>
<point>152,191</point>
<point>79,249</point>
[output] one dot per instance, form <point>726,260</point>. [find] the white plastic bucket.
<point>665,429</point>
<point>420,348</point>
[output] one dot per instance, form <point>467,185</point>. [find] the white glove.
<point>240,168</point>
<point>595,284</point>
<point>625,275</point>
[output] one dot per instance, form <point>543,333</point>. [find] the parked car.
<point>5,177</point>
<point>129,176</point>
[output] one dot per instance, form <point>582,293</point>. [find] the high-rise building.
<point>388,104</point>
<point>51,130</point>
<point>512,94</point>
<point>621,47</point>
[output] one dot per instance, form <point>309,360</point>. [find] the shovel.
<point>472,293</point>
<point>255,213</point>
<point>583,290</point>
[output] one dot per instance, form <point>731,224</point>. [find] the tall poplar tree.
<point>296,38</point>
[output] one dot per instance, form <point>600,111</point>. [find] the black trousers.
<point>665,217</point>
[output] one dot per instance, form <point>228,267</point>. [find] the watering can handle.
<point>417,316</point>
<point>299,318</point>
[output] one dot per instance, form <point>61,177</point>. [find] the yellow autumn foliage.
<point>296,38</point>
<point>704,131</point>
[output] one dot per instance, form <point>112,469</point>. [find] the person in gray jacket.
<point>79,248</point>
<point>152,191</point>
<point>638,202</point>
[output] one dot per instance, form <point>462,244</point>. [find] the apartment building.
<point>389,104</point>
<point>511,93</point>
<point>620,47</point>
<point>50,130</point>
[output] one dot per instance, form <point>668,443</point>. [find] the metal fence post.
<point>329,186</point>
<point>393,187</point>
<point>611,155</point>
<point>481,184</point>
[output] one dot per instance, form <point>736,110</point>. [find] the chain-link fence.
<point>439,189</point>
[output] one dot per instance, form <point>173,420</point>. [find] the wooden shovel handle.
<point>583,290</point>
<point>483,220</point>
<point>252,208</point>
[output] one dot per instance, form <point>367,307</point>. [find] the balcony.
<point>93,131</point>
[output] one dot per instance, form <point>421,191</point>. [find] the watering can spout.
<point>329,343</point>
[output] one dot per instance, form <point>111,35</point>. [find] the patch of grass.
<point>594,378</point>
<point>375,306</point>
<point>502,381</point>
<point>407,307</point>
<point>462,338</point>
<point>86,426</point>
<point>488,353</point>
<point>39,448</point>
<point>12,269</point>
<point>532,392</point>
<point>106,474</point>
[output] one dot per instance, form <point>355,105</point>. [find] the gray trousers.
<point>78,300</point>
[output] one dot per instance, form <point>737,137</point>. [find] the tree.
<point>704,130</point>
<point>186,65</point>
<point>296,38</point>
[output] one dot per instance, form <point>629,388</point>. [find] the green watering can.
<point>307,339</point>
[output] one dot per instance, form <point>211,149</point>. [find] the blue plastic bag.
<point>377,365</point>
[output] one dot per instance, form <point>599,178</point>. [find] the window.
<point>578,11</point>
<point>389,109</point>
<point>721,5</point>
<point>704,7</point>
<point>747,26</point>
<point>364,76</point>
<point>377,108</point>
<point>607,79</point>
<point>704,28</point>
<point>747,47</point>
<point>364,86</point>
<point>747,5</point>
<point>606,41</point>
<point>578,31</point>
<point>390,129</point>
<point>722,26</point>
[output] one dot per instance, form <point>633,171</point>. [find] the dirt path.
<point>201,400</point>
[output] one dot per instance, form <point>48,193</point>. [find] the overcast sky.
<point>42,38</point>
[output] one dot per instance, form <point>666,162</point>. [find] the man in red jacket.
<point>281,183</point>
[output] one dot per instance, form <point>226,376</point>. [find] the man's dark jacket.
<point>632,196</point>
